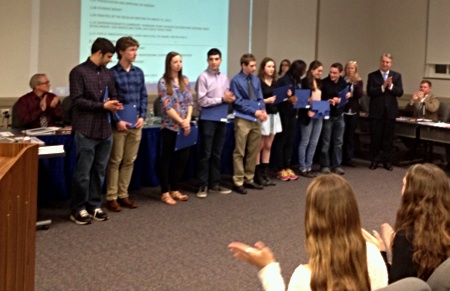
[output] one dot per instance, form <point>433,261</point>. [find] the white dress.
<point>271,279</point>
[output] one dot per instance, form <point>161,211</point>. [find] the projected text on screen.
<point>190,28</point>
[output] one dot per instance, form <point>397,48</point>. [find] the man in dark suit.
<point>383,87</point>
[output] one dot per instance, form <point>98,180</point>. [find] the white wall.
<point>15,38</point>
<point>327,30</point>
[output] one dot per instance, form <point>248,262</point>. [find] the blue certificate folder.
<point>342,96</point>
<point>186,141</point>
<point>215,113</point>
<point>128,114</point>
<point>281,93</point>
<point>105,97</point>
<point>253,104</point>
<point>302,98</point>
<point>321,109</point>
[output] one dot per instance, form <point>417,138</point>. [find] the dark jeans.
<point>212,138</point>
<point>348,151</point>
<point>382,139</point>
<point>332,134</point>
<point>172,162</point>
<point>89,175</point>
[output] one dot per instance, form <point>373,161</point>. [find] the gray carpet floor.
<point>184,247</point>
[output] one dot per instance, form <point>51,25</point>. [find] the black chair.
<point>67,110</point>
<point>15,120</point>
<point>443,112</point>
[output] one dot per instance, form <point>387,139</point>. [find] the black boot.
<point>265,171</point>
<point>258,178</point>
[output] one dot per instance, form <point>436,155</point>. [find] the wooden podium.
<point>18,195</point>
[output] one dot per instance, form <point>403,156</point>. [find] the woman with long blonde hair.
<point>339,257</point>
<point>420,239</point>
<point>351,111</point>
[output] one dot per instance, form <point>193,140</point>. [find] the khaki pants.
<point>248,138</point>
<point>121,162</point>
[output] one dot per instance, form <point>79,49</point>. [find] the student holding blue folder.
<point>310,128</point>
<point>247,89</point>
<point>271,126</point>
<point>127,124</point>
<point>285,139</point>
<point>333,127</point>
<point>176,103</point>
<point>213,92</point>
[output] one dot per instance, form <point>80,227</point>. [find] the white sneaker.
<point>202,192</point>
<point>219,190</point>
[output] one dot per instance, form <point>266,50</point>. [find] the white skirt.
<point>272,125</point>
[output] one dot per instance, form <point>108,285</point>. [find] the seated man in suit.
<point>39,108</point>
<point>423,103</point>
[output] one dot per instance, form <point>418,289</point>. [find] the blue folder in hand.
<point>321,109</point>
<point>186,141</point>
<point>253,104</point>
<point>105,97</point>
<point>128,114</point>
<point>281,93</point>
<point>215,113</point>
<point>342,96</point>
<point>302,98</point>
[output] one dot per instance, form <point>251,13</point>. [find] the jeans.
<point>309,137</point>
<point>212,138</point>
<point>89,174</point>
<point>332,132</point>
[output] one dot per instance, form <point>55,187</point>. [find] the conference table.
<point>55,174</point>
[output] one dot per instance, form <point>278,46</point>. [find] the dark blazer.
<point>353,102</point>
<point>384,103</point>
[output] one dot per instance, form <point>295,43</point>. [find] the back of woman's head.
<point>334,242</point>
<point>297,69</point>
<point>424,214</point>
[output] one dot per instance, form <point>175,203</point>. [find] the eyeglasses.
<point>45,83</point>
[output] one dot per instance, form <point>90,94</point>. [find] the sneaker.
<point>219,190</point>
<point>98,214</point>
<point>339,171</point>
<point>202,192</point>
<point>283,175</point>
<point>325,170</point>
<point>81,217</point>
<point>292,175</point>
<point>308,174</point>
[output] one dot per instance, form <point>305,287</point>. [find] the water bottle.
<point>150,116</point>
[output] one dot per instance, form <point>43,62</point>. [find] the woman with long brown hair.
<point>339,258</point>
<point>420,239</point>
<point>271,126</point>
<point>176,103</point>
<point>310,128</point>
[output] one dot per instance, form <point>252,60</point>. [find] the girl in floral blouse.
<point>176,103</point>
